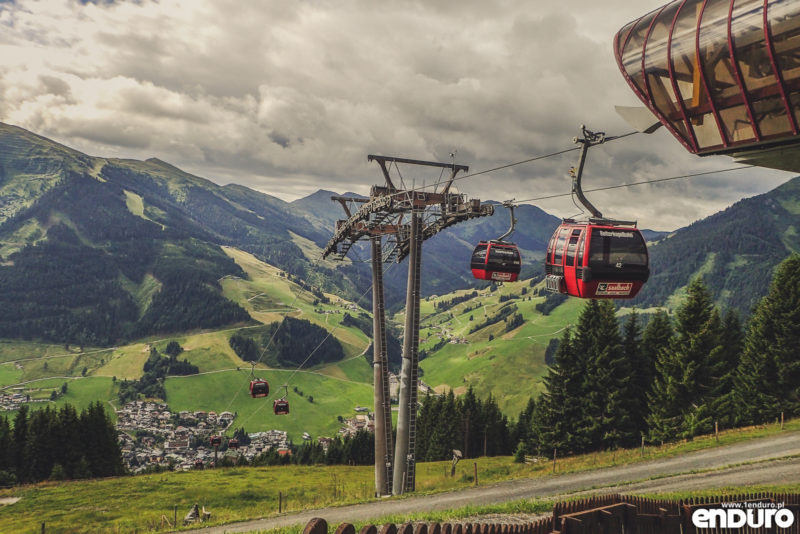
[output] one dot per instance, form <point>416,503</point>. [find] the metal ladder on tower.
<point>385,401</point>
<point>412,399</point>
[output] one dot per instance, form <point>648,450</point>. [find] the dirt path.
<point>623,479</point>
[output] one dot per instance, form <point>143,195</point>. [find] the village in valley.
<point>153,437</point>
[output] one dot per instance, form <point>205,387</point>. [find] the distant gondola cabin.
<point>496,260</point>
<point>259,388</point>
<point>281,407</point>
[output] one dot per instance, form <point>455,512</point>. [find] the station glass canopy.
<point>722,75</point>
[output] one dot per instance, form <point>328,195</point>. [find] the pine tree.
<point>657,335</point>
<point>474,424</point>
<point>561,406</point>
<point>40,445</point>
<point>523,433</point>
<point>425,421</point>
<point>6,459</point>
<point>768,380</point>
<point>68,435</point>
<point>495,429</point>
<point>101,447</point>
<point>678,401</point>
<point>642,372</point>
<point>19,443</point>
<point>724,362</point>
<point>607,412</point>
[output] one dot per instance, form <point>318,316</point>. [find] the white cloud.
<point>289,97</point>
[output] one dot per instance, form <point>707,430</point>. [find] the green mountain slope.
<point>268,295</point>
<point>477,343</point>
<point>735,251</point>
<point>94,251</point>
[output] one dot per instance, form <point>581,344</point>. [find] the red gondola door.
<point>571,280</point>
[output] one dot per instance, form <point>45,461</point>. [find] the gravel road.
<point>778,470</point>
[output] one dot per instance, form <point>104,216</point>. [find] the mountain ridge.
<point>152,227</point>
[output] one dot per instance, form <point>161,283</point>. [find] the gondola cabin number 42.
<point>597,261</point>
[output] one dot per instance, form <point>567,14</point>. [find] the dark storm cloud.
<point>289,97</point>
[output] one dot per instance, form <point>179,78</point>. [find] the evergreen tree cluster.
<point>551,302</point>
<point>356,449</point>
<point>245,347</point>
<point>156,370</point>
<point>501,314</point>
<point>58,444</point>
<point>294,340</point>
<point>362,321</point>
<point>475,427</point>
<point>442,305</point>
<point>609,386</point>
<point>514,321</point>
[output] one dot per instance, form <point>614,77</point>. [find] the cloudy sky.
<point>288,97</point>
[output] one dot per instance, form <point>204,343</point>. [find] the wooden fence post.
<point>642,445</point>
<point>716,431</point>
<point>175,516</point>
<point>781,420</point>
<point>554,459</point>
<point>42,527</point>
<point>280,502</point>
<point>475,465</point>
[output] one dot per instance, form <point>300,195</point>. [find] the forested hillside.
<point>95,251</point>
<point>675,379</point>
<point>735,251</point>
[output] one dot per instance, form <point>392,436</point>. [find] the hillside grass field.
<point>228,391</point>
<point>127,504</point>
<point>222,385</point>
<point>508,366</point>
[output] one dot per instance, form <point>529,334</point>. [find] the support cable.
<point>657,180</point>
<point>522,162</point>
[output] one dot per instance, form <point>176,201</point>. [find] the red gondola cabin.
<point>259,388</point>
<point>597,260</point>
<point>494,260</point>
<point>216,441</point>
<point>233,443</point>
<point>281,407</point>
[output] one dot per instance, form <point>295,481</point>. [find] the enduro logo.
<point>748,514</point>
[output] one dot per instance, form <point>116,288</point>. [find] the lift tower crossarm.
<point>382,160</point>
<point>384,203</point>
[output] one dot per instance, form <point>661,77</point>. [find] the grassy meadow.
<point>509,366</point>
<point>128,504</point>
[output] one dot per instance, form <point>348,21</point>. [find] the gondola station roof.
<point>722,75</point>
